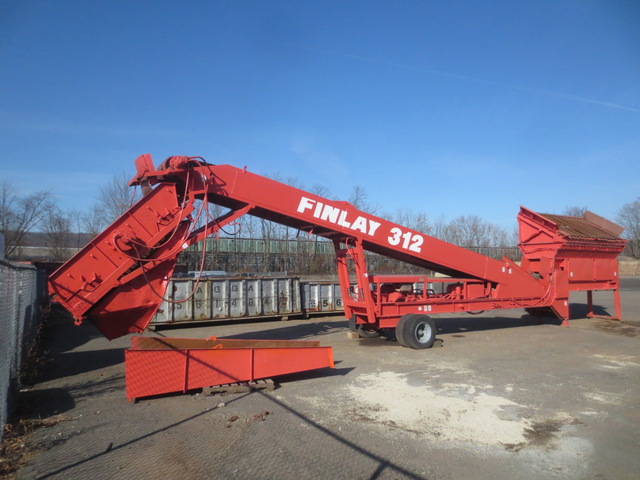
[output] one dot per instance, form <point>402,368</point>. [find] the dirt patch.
<point>16,448</point>
<point>538,434</point>
<point>454,413</point>
<point>258,417</point>
<point>615,327</point>
<point>541,433</point>
<point>261,417</point>
<point>362,417</point>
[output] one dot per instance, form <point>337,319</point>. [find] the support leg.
<point>589,303</point>
<point>616,301</point>
<point>561,308</point>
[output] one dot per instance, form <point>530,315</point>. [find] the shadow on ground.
<point>73,363</point>
<point>302,331</point>
<point>45,403</point>
<point>580,310</point>
<point>63,335</point>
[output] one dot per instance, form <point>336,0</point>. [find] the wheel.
<point>416,331</point>
<point>388,333</point>
<point>354,327</point>
<point>399,330</point>
<point>368,333</point>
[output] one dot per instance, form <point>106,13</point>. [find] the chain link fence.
<point>22,293</point>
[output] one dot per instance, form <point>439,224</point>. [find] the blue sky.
<point>449,108</point>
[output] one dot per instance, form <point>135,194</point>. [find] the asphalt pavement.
<point>504,397</point>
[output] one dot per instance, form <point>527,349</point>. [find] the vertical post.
<point>616,300</point>
<point>343,277</point>
<point>589,303</point>
<point>251,364</point>
<point>186,370</point>
<point>362,277</point>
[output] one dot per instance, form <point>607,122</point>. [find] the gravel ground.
<point>505,397</point>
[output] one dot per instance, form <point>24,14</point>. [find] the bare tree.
<point>472,231</point>
<point>287,233</point>
<point>20,214</point>
<point>58,229</point>
<point>248,226</point>
<point>438,228</point>
<point>574,211</point>
<point>114,199</point>
<point>407,218</point>
<point>513,236</point>
<point>629,217</point>
<point>358,199</point>
<point>320,190</point>
<point>93,222</point>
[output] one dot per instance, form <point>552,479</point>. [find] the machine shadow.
<point>45,403</point>
<point>62,339</point>
<point>294,332</point>
<point>471,324</point>
<point>478,324</point>
<point>580,310</point>
<point>164,329</point>
<point>68,364</point>
<point>62,335</point>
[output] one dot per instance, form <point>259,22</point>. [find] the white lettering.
<point>304,204</point>
<point>342,221</point>
<point>339,217</point>
<point>360,224</point>
<point>330,213</point>
<point>316,212</point>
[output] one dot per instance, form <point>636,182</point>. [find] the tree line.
<point>21,214</point>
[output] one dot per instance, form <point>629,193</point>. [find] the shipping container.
<point>321,297</point>
<point>230,298</point>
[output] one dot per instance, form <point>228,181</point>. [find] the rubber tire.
<point>416,331</point>
<point>388,333</point>
<point>368,333</point>
<point>399,329</point>
<point>354,327</point>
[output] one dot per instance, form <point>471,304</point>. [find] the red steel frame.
<point>118,280</point>
<point>155,366</point>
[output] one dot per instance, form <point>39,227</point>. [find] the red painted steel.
<point>87,285</point>
<point>158,366</point>
<point>571,254</point>
<point>561,254</point>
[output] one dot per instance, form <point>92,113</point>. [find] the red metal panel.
<point>90,274</point>
<point>153,372</point>
<point>269,362</point>
<point>124,311</point>
<point>580,269</point>
<point>217,367</point>
<point>570,254</point>
<point>605,269</point>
